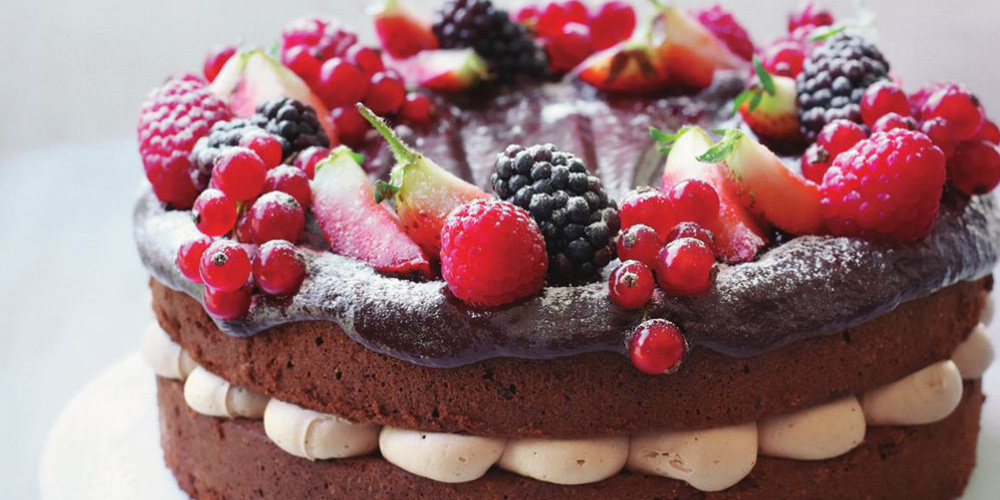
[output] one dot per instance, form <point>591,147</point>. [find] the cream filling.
<point>708,460</point>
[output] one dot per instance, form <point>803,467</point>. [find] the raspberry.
<point>492,253</point>
<point>239,173</point>
<point>784,58</point>
<point>815,162</point>
<point>216,59</point>
<point>227,305</point>
<point>882,98</point>
<point>975,167</point>
<point>833,80</point>
<point>279,269</point>
<point>631,285</point>
<point>888,187</point>
<point>291,180</point>
<point>613,23</point>
<point>938,131</point>
<point>173,118</point>
<point>726,28</point>
<point>893,121</point>
<point>692,230</point>
<point>214,213</point>
<point>276,216</point>
<point>649,207</point>
<point>340,83</point>
<point>324,38</point>
<point>694,201</point>
<point>574,213</point>
<point>684,268</point>
<point>417,110</point>
<point>507,46</point>
<point>657,347</point>
<point>225,266</point>
<point>640,243</point>
<point>307,160</point>
<point>189,258</point>
<point>808,14</point>
<point>386,93</point>
<point>958,107</point>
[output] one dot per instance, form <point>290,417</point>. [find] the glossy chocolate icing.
<point>806,287</point>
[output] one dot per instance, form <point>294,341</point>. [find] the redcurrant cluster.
<point>571,32</point>
<point>786,55</point>
<point>664,234</point>
<point>948,114</point>
<point>261,205</point>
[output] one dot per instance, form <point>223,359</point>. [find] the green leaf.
<point>756,101</point>
<point>665,140</point>
<point>825,33</point>
<point>358,157</point>
<point>741,98</point>
<point>766,80</point>
<point>722,149</point>
<point>384,191</point>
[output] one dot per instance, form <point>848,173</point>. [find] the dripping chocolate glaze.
<point>806,287</point>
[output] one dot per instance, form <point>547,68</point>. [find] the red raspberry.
<point>692,230</point>
<point>558,14</point>
<point>291,180</point>
<point>631,285</point>
<point>325,38</point>
<point>839,136</point>
<point>418,109</point>
<point>570,47</point>
<point>657,347</point>
<point>214,213</point>
<point>351,126</point>
<point>938,131</point>
<point>216,59</point>
<point>341,83</point>
<point>492,253</point>
<point>309,157</point>
<point>809,14</point>
<point>267,147</point>
<point>239,173</point>
<point>225,266</point>
<point>975,167</point>
<point>694,201</point>
<point>172,120</point>
<point>815,162</point>
<point>989,133</point>
<point>386,93</point>
<point>189,258</point>
<point>613,23</point>
<point>276,216</point>
<point>649,207</point>
<point>882,98</point>
<point>888,187</point>
<point>893,121</point>
<point>641,243</point>
<point>684,268</point>
<point>726,28</point>
<point>227,305</point>
<point>959,107</point>
<point>279,269</point>
<point>784,58</point>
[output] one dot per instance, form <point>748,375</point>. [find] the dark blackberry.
<point>223,135</point>
<point>833,79</point>
<point>294,124</point>
<point>576,217</point>
<point>507,46</point>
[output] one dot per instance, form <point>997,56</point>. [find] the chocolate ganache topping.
<point>806,287</point>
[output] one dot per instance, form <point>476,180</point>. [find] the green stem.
<point>402,152</point>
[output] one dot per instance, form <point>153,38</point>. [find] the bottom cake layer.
<point>218,459</point>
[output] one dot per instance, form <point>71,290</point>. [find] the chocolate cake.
<point>554,283</point>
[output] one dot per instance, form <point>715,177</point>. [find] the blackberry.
<point>507,46</point>
<point>295,124</point>
<point>833,79</point>
<point>223,135</point>
<point>572,210</point>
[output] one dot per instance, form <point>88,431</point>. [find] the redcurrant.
<point>276,216</point>
<point>228,305</point>
<point>239,173</point>
<point>225,266</point>
<point>641,243</point>
<point>975,167</point>
<point>631,285</point>
<point>267,147</point>
<point>959,107</point>
<point>418,109</point>
<point>882,98</point>
<point>309,157</point>
<point>279,268</point>
<point>216,59</point>
<point>291,180</point>
<point>189,258</point>
<point>657,347</point>
<point>214,213</point>
<point>649,207</point>
<point>684,267</point>
<point>694,201</point>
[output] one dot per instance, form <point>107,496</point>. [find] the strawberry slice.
<point>354,225</point>
<point>632,67</point>
<point>691,52</point>
<point>402,32</point>
<point>770,108</point>
<point>767,187</point>
<point>450,70</point>
<point>738,235</point>
<point>424,193</point>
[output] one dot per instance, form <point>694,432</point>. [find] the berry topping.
<point>882,98</point>
<point>640,243</point>
<point>267,147</point>
<point>216,59</point>
<point>726,28</point>
<point>888,187</point>
<point>958,107</point>
<point>784,58</point>
<point>989,133</point>
<point>340,83</point>
<point>556,15</point>
<point>189,258</point>
<point>808,14</point>
<point>631,285</point>
<point>402,33</point>
<point>242,233</point>
<point>839,136</point>
<point>173,118</point>
<point>893,121</point>
<point>302,62</point>
<point>684,267</point>
<point>612,24</point>
<point>228,305</point>
<point>770,109</point>
<point>417,110</point>
<point>815,162</point>
<point>354,225</point>
<point>492,253</point>
<point>450,70</point>
<point>276,216</point>
<point>507,46</point>
<point>291,180</point>
<point>694,201</point>
<point>692,230</point>
<point>649,207</point>
<point>279,269</point>
<point>225,266</point>
<point>367,59</point>
<point>351,126</point>
<point>214,213</point>
<point>307,160</point>
<point>570,205</point>
<point>570,47</point>
<point>975,167</point>
<point>324,38</point>
<point>834,79</point>
<point>295,124</point>
<point>386,93</point>
<point>239,173</point>
<point>938,131</point>
<point>657,347</point>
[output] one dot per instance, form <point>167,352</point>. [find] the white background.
<point>73,295</point>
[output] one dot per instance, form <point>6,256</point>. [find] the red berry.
<point>239,173</point>
<point>214,213</point>
<point>326,38</point>
<point>302,62</point>
<point>613,23</point>
<point>839,136</point>
<point>227,305</point>
<point>569,47</point>
<point>640,243</point>
<point>309,157</point>
<point>492,253</point>
<point>684,267</point>
<point>291,180</point>
<point>649,207</point>
<point>279,268</point>
<point>919,97</point>
<point>559,14</point>
<point>189,258</point>
<point>386,93</point>
<point>940,134</point>
<point>225,266</point>
<point>815,162</point>
<point>694,201</point>
<point>692,230</point>
<point>726,28</point>
<point>882,98</point>
<point>267,147</point>
<point>631,285</point>
<point>351,126</point>
<point>809,14</point>
<point>893,121</point>
<point>888,187</point>
<point>418,109</point>
<point>657,347</point>
<point>242,233</point>
<point>216,59</point>
<point>989,133</point>
<point>958,107</point>
<point>975,167</point>
<point>276,216</point>
<point>784,58</point>
<point>367,59</point>
<point>341,83</point>
<point>527,14</point>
